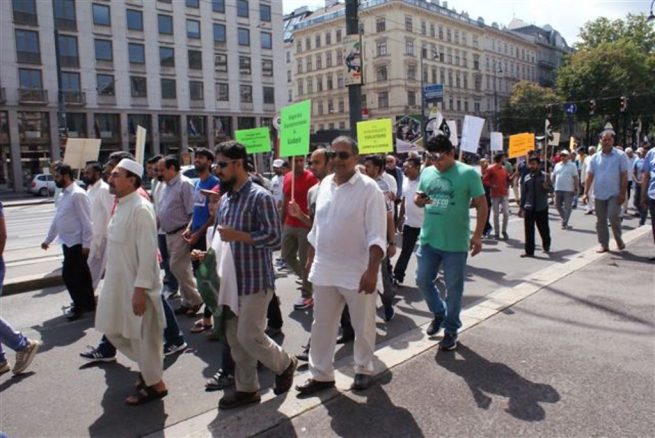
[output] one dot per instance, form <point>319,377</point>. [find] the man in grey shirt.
<point>174,210</point>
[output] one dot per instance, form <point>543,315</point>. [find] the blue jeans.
<point>454,263</point>
<point>8,336</point>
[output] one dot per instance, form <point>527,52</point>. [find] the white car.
<point>190,172</point>
<point>43,185</point>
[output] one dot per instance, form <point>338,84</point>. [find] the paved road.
<point>59,383</point>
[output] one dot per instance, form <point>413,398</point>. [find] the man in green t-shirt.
<point>446,191</point>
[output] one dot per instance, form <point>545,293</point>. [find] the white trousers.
<point>328,305</point>
<point>97,263</point>
<point>148,351</point>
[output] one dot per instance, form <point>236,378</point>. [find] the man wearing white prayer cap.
<point>132,281</point>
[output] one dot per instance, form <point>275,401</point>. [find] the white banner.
<point>404,147</point>
<point>140,146</point>
<point>80,151</point>
<point>471,132</point>
<point>453,132</point>
<point>555,140</point>
<point>496,141</point>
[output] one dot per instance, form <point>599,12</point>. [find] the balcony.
<point>25,18</point>
<point>74,98</point>
<point>28,57</point>
<point>69,61</point>
<point>32,96</point>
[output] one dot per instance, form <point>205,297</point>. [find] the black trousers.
<point>487,196</point>
<point>77,278</point>
<point>410,236</point>
<point>540,218</point>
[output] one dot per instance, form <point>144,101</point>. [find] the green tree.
<point>527,108</point>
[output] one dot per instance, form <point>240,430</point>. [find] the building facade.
<point>404,41</point>
<point>189,71</point>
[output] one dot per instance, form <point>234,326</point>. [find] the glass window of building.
<point>104,50</point>
<point>264,12</point>
<point>138,86</point>
<point>30,79</point>
<point>64,12</point>
<point>267,68</point>
<point>76,125</point>
<point>218,6</point>
<point>244,65</point>
<point>220,62</point>
<point>193,29</point>
<point>383,99</point>
<point>328,59</point>
<point>193,4</point>
<point>269,95</point>
<point>411,98</point>
<point>219,33</point>
<point>380,24</point>
<point>136,53</point>
<point>134,19</point>
<point>165,24</point>
<point>70,81</point>
<point>380,49</point>
<point>244,36</point>
<point>328,38</point>
<point>195,59</point>
<point>196,90</point>
<point>245,93</point>
<point>319,61</point>
<point>25,12</point>
<point>105,85</point>
<point>166,56</point>
<point>101,15</point>
<point>196,126</point>
<point>168,90</point>
<point>317,41</point>
<point>381,73</point>
<point>267,40</point>
<point>107,126</point>
<point>27,47</point>
<point>222,91</point>
<point>409,23</point>
<point>411,72</point>
<point>409,47</point>
<point>68,54</point>
<point>242,8</point>
<point>338,35</point>
<point>246,122</point>
<point>169,127</point>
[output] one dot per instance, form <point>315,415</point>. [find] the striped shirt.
<point>252,209</point>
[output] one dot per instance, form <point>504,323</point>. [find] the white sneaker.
<point>24,358</point>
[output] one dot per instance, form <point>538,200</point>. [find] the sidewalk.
<point>569,352</point>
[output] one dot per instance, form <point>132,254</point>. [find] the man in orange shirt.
<point>498,179</point>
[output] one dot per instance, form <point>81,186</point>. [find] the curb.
<point>10,204</point>
<point>31,283</point>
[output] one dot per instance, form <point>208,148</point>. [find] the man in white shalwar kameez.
<point>101,205</point>
<point>130,311</point>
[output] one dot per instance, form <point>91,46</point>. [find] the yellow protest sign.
<point>520,144</point>
<point>375,136</point>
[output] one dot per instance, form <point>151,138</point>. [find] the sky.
<point>565,16</point>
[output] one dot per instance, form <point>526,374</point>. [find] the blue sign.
<point>433,92</point>
<point>570,108</point>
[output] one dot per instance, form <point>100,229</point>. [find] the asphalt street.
<point>74,399</point>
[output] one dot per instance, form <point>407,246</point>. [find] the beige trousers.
<point>249,344</point>
<point>147,352</point>
<point>180,264</point>
<point>97,263</point>
<point>328,305</point>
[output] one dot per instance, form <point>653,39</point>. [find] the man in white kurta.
<point>101,205</point>
<point>130,311</point>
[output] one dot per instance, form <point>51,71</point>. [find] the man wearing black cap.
<point>535,188</point>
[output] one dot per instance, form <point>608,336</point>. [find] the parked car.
<point>190,172</point>
<point>44,184</point>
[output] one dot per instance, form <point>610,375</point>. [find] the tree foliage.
<point>527,108</point>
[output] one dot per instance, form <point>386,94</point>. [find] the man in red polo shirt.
<point>294,232</point>
<point>498,179</point>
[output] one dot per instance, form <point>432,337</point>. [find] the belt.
<point>175,231</point>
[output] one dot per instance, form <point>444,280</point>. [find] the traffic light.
<point>623,107</point>
<point>592,107</point>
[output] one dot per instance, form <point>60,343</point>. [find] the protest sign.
<point>496,141</point>
<point>294,131</point>
<point>80,151</point>
<point>471,131</point>
<point>520,144</point>
<point>255,140</point>
<point>375,136</point>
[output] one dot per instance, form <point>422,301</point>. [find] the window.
<point>269,95</point>
<point>411,72</point>
<point>411,98</point>
<point>244,65</point>
<point>168,89</point>
<point>64,11</point>
<point>107,126</point>
<point>380,25</point>
<point>288,57</point>
<point>104,51</point>
<point>193,29</point>
<point>380,48</point>
<point>195,90</point>
<point>220,62</point>
<point>449,35</point>
<point>138,86</point>
<point>267,68</point>
<point>105,85</point>
<point>381,73</point>
<point>30,79</point>
<point>242,9</point>
<point>193,4</point>
<point>165,23</point>
<point>308,44</point>
<point>300,88</point>
<point>68,56</point>
<point>409,47</point>
<point>218,6</point>
<point>338,35</point>
<point>167,56</point>
<point>289,76</point>
<point>308,64</point>
<point>134,19</point>
<point>264,12</point>
<point>299,46</point>
<point>136,53</point>
<point>310,85</point>
<point>219,33</point>
<point>101,15</point>
<point>319,61</point>
<point>340,82</point>
<point>267,40</point>
<point>409,24</point>
<point>222,91</point>
<point>339,57</point>
<point>245,93</point>
<point>319,83</point>
<point>25,12</point>
<point>290,96</point>
<point>318,41</point>
<point>330,105</point>
<point>329,83</point>
<point>383,99</point>
<point>244,36</point>
<point>432,33</point>
<point>340,106</point>
<point>27,47</point>
<point>195,59</point>
<point>328,59</point>
<point>440,33</point>
<point>328,38</point>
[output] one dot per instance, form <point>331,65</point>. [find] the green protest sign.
<point>255,140</point>
<point>294,129</point>
<point>375,136</point>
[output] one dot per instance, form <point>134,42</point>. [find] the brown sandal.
<point>145,394</point>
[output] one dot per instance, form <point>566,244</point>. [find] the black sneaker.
<point>95,355</point>
<point>170,349</point>
<point>434,326</point>
<point>389,313</point>
<point>449,342</point>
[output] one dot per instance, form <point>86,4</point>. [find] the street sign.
<point>570,108</point>
<point>433,93</point>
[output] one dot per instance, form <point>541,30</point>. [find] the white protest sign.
<point>404,147</point>
<point>80,151</point>
<point>140,146</point>
<point>555,140</point>
<point>496,141</point>
<point>471,132</point>
<point>453,132</point>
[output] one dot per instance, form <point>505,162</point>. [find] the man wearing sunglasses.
<point>347,244</point>
<point>446,190</point>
